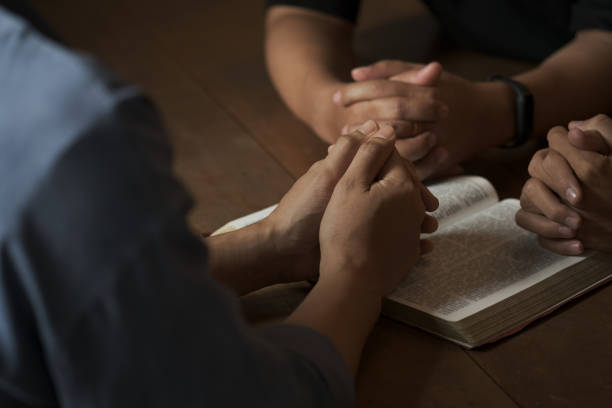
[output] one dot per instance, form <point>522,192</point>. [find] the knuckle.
<point>396,109</point>
<point>379,87</point>
<point>590,172</point>
<point>535,163</point>
<point>346,184</point>
<point>408,185</point>
<point>530,187</point>
<point>554,133</point>
<point>315,167</point>
<point>558,214</point>
<point>353,138</point>
<point>601,119</point>
<point>373,146</point>
<point>520,217</point>
<point>433,94</point>
<point>550,165</point>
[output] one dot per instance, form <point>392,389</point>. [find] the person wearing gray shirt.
<point>108,299</point>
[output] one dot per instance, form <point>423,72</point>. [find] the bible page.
<point>477,262</point>
<point>462,196</point>
<point>245,221</point>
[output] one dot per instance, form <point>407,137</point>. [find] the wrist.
<point>327,117</point>
<point>243,259</point>
<point>342,272</point>
<point>349,287</point>
<point>499,112</point>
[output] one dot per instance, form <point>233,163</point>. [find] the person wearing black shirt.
<point>442,119</point>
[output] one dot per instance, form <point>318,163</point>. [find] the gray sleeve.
<point>163,333</point>
<point>315,349</point>
<point>125,314</point>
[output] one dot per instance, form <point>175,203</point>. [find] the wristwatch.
<point>523,111</point>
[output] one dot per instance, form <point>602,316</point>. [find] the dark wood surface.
<point>238,149</point>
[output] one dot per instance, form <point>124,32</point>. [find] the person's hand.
<point>480,115</point>
<point>568,200</point>
<point>294,224</point>
<point>409,104</point>
<point>369,234</point>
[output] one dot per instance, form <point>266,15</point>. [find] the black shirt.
<point>531,29</point>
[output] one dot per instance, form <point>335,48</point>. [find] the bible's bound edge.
<point>448,330</point>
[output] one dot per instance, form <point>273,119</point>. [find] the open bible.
<point>487,277</point>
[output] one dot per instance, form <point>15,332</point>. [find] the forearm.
<point>245,260</point>
<point>307,54</point>
<point>342,309</point>
<point>572,83</point>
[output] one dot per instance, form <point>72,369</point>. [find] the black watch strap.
<point>523,110</point>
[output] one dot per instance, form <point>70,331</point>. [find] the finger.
<point>542,226</point>
<point>399,108</point>
<point>589,167</point>
<point>601,123</point>
<point>562,246</point>
<point>370,158</point>
<point>552,169</point>
<point>429,224</point>
<point>382,70</point>
<point>429,200</point>
<point>415,148</point>
<point>428,75</point>
<point>590,140</point>
<point>403,128</point>
<point>431,163</point>
<point>381,88</point>
<point>398,171</point>
<point>426,246</point>
<point>536,198</point>
<point>340,156</point>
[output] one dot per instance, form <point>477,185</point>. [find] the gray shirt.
<point>104,296</point>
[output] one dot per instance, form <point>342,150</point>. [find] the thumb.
<point>370,159</point>
<point>591,140</point>
<point>428,75</point>
<point>382,70</point>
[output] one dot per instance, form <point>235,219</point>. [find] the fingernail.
<point>443,110</point>
<point>432,139</point>
<point>359,70</point>
<point>575,124</point>
<point>572,222</point>
<point>386,132</point>
<point>572,195</point>
<point>337,97</point>
<point>368,127</point>
<point>565,231</point>
<point>330,148</point>
<point>442,156</point>
<point>423,69</point>
<point>576,247</point>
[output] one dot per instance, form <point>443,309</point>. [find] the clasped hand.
<point>568,199</point>
<point>440,119</point>
<point>360,211</point>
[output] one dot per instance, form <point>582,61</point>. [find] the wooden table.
<point>238,149</point>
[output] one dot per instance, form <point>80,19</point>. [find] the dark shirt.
<point>104,295</point>
<point>530,29</point>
